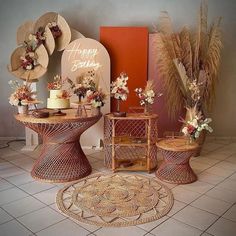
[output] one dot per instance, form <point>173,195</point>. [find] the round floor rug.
<point>115,200</point>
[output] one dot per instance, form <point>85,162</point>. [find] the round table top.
<point>132,116</point>
<point>71,116</point>
<point>176,144</point>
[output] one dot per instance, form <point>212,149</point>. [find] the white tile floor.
<point>206,207</point>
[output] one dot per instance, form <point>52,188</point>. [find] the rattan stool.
<point>175,167</point>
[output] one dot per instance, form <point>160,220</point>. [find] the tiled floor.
<point>206,207</point>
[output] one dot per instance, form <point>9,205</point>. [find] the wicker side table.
<point>62,158</point>
<point>130,142</point>
<point>175,167</point>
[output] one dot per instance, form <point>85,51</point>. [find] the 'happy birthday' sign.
<point>82,57</point>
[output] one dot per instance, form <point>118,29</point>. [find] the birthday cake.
<point>57,99</point>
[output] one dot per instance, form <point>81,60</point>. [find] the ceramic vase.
<point>23,109</point>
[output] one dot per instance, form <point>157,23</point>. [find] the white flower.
<point>150,93</point>
<point>119,87</point>
<point>197,134</point>
<point>150,100</point>
<point>194,123</point>
<point>96,103</point>
<point>124,97</point>
<point>142,102</point>
<point>89,93</point>
<point>28,67</point>
<point>185,131</point>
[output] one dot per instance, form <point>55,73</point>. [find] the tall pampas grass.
<point>187,56</point>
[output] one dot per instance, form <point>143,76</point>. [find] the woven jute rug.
<point>115,200</point>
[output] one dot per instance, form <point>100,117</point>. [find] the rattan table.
<point>130,142</point>
<point>62,158</point>
<point>175,167</point>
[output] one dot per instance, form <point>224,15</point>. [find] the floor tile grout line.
<point>206,232</point>
<point>71,219</point>
<point>201,194</point>
<point>223,146</point>
<point>222,216</point>
<point>211,167</point>
<point>66,218</point>
<point>180,222</point>
<point>148,231</point>
<point>189,204</point>
<point>31,195</point>
<point>14,218</point>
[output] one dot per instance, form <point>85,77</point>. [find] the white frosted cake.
<point>55,101</point>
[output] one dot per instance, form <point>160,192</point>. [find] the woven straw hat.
<point>49,17</point>
<point>30,75</point>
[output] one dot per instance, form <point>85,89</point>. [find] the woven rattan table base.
<point>175,168</point>
<point>115,200</point>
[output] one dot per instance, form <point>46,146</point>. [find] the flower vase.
<point>118,113</point>
<point>147,109</point>
<point>95,111</point>
<point>23,109</point>
<point>190,140</point>
<point>200,140</point>
<point>80,99</point>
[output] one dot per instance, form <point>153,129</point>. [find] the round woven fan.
<point>51,17</point>
<point>33,74</point>
<point>28,28</point>
<point>24,31</point>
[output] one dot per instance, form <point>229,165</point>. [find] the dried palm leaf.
<point>192,113</point>
<point>169,74</point>
<point>176,45</point>
<point>186,51</point>
<point>212,61</point>
<point>150,85</point>
<point>203,30</point>
<point>165,25</point>
<point>189,57</point>
<point>182,74</point>
<point>202,80</point>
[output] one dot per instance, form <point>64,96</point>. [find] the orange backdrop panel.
<point>128,49</point>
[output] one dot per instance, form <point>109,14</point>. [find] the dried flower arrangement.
<point>29,61</point>
<point>96,98</point>
<point>56,31</point>
<point>189,62</point>
<point>35,40</point>
<point>64,95</point>
<point>85,82</point>
<point>119,89</point>
<point>195,124</point>
<point>55,84</point>
<point>22,93</point>
<point>147,95</point>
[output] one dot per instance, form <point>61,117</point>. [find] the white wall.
<point>88,15</point>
